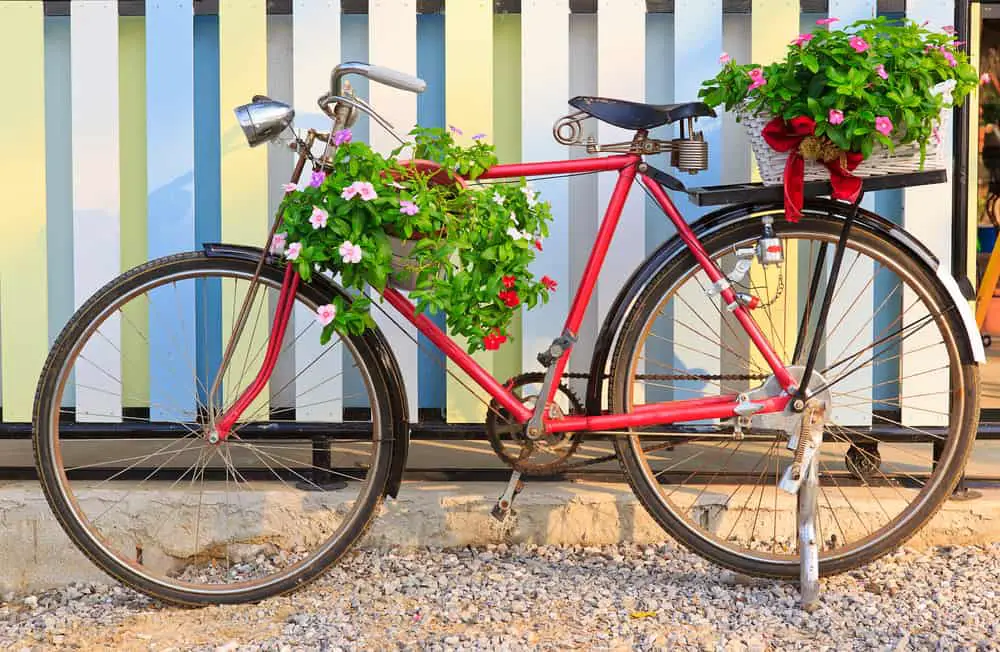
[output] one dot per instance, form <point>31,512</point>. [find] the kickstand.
<point>502,509</point>
<point>802,479</point>
<point>808,544</point>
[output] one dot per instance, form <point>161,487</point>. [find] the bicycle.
<point>787,384</point>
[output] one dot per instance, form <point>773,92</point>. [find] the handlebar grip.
<point>396,79</point>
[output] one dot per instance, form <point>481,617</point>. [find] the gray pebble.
<point>513,597</point>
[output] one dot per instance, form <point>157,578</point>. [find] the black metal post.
<point>800,341</point>
<point>960,200</point>
<point>828,291</point>
<point>321,478</point>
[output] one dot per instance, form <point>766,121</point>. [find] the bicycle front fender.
<point>394,377</point>
<point>729,216</point>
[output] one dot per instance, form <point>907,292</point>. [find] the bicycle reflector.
<point>263,119</point>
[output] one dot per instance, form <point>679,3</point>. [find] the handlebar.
<point>380,74</point>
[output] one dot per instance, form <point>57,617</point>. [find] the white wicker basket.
<point>906,158</point>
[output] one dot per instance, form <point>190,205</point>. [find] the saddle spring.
<point>687,153</point>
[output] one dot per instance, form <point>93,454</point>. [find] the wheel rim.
<point>705,519</point>
<point>257,553</point>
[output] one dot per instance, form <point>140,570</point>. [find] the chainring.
<point>505,434</point>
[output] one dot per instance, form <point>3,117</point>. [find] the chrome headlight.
<point>263,119</point>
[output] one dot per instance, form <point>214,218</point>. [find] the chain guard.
<point>499,425</point>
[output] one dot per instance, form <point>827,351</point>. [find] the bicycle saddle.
<point>635,115</point>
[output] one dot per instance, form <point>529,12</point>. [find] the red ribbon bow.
<point>786,136</point>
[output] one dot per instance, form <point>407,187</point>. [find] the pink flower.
<point>802,39</point>
<point>949,29</point>
<point>367,191</point>
<point>757,78</point>
<point>827,21</point>
<point>936,135</point>
<point>289,187</point>
<point>858,43</point>
<point>350,253</point>
<point>293,250</point>
<point>278,243</point>
<point>984,78</point>
<point>325,314</point>
<point>835,117</point>
<point>360,188</point>
<point>341,137</point>
<point>883,125</point>
<point>317,179</point>
<point>455,129</point>
<point>408,207</point>
<point>318,218</point>
<point>949,57</point>
<point>958,44</point>
<point>724,58</point>
<point>880,71</point>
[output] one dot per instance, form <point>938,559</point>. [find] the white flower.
<point>530,195</point>
<point>278,243</point>
<point>350,253</point>
<point>497,199</point>
<point>318,218</point>
<point>293,250</point>
<point>325,314</point>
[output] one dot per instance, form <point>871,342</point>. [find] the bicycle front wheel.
<point>902,413</point>
<point>122,427</point>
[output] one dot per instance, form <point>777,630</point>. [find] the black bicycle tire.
<point>648,494</point>
<point>78,533</point>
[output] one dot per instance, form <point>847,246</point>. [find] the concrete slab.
<point>36,554</point>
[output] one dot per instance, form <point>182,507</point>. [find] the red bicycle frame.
<point>627,166</point>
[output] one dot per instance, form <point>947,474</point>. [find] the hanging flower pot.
<point>422,224</point>
<point>869,100</point>
<point>405,266</point>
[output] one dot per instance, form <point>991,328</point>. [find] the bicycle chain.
<point>679,376</point>
<point>565,466</point>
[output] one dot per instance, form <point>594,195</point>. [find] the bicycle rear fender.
<point>397,394</point>
<point>726,217</point>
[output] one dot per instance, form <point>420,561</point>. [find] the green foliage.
<point>468,238</point>
<point>924,73</point>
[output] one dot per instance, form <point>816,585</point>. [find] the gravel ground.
<point>548,597</point>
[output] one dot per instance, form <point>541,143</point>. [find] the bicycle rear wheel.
<point>904,403</point>
<point>121,426</point>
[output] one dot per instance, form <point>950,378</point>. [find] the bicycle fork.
<point>221,427</point>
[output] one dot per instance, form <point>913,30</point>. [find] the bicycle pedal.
<point>502,509</point>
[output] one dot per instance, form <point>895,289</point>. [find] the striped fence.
<point>119,142</point>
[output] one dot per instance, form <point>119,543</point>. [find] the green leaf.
<point>810,62</point>
<point>815,108</point>
<point>817,85</point>
<point>835,75</point>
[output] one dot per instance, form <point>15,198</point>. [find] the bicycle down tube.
<point>656,413</point>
